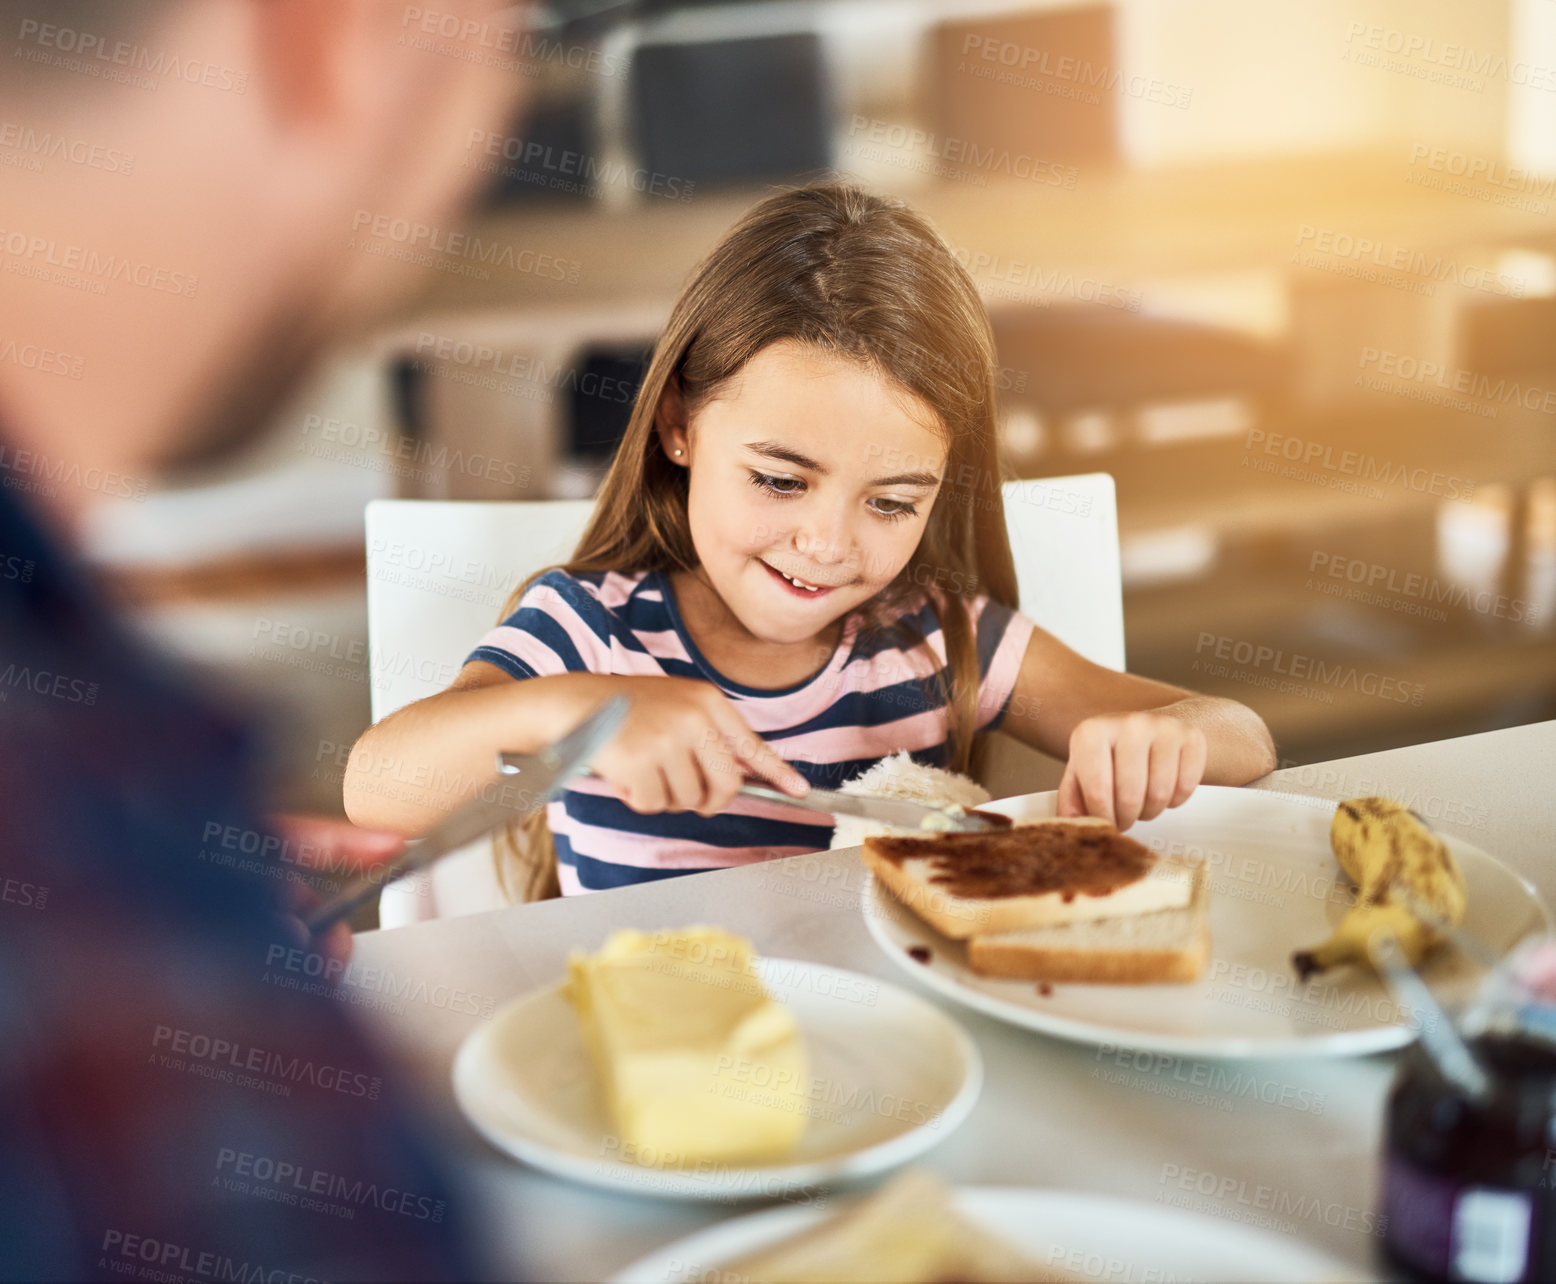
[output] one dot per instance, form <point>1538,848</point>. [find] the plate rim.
<point>652,1265</point>
<point>1344,1043</point>
<point>775,1181</point>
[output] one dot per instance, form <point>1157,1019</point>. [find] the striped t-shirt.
<point>870,700</point>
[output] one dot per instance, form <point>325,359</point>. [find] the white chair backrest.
<point>439,571</point>
<point>1064,538</point>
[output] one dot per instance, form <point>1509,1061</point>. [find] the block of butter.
<point>682,1031</point>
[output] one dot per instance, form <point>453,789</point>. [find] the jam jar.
<point>1467,1179</point>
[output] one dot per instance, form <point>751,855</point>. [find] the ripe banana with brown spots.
<point>1406,880</point>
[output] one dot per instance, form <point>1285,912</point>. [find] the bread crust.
<point>1118,967</point>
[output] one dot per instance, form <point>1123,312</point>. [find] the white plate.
<point>891,1076</point>
<point>1088,1236</point>
<point>1275,888</point>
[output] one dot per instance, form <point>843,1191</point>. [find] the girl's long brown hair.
<point>862,276</point>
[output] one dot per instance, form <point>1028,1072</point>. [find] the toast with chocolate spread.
<point>1047,874</point>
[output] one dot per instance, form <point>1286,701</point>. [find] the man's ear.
<point>309,48</point>
<point>670,423</point>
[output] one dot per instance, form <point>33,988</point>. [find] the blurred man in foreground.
<point>180,1097</point>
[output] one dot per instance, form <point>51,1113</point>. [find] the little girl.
<point>797,565</point>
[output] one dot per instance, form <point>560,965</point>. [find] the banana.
<point>1403,872</point>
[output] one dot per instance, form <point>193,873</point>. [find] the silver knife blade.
<point>540,773</point>
<point>896,812</point>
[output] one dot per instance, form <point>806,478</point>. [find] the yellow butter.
<point>695,1059</point>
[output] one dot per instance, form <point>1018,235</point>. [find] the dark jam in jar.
<point>1467,1184</point>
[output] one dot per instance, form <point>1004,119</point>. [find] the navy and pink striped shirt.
<point>874,697</point>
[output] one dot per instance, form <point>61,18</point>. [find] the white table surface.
<point>1052,1114</point>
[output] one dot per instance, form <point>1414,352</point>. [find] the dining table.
<point>1298,1155</point>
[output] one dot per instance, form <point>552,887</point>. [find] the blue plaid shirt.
<point>171,1098</point>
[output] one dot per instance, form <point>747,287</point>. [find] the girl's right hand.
<point>685,747</point>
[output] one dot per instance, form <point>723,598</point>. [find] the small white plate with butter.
<point>890,1076</point>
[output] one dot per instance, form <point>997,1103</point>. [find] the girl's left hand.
<point>1126,767</point>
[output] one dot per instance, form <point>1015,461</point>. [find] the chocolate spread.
<point>1029,860</point>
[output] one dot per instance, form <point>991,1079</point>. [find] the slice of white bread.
<point>908,1232</point>
<point>1138,949</point>
<point>899,776</point>
<point>926,884</point>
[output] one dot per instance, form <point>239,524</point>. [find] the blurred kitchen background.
<point>1286,270</point>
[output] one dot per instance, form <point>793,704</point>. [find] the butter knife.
<point>538,777</point>
<point>899,813</point>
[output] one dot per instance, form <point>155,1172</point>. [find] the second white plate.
<point>1275,888</point>
<point>1069,1235</point>
<point>891,1076</point>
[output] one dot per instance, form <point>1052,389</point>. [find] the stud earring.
<point>677,452</point>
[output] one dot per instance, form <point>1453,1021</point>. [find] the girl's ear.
<point>670,423</point>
